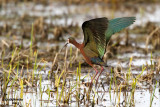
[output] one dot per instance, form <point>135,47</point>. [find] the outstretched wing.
<point>117,24</point>
<point>94,35</point>
<point>97,32</point>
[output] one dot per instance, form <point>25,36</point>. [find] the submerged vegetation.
<point>33,71</point>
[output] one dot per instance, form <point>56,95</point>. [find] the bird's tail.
<point>103,64</point>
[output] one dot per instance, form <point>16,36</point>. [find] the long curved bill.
<point>64,46</point>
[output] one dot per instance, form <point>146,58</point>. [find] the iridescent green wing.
<point>94,35</point>
<point>97,32</point>
<point>117,24</point>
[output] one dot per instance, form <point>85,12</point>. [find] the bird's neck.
<point>78,45</point>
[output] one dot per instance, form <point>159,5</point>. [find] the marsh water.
<point>37,74</point>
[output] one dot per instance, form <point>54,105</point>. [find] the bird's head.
<point>70,40</point>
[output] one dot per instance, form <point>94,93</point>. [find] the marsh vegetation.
<point>33,71</point>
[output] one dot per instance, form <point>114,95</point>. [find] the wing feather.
<point>97,32</point>
<point>118,24</point>
<point>94,34</point>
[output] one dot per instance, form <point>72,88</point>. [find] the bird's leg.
<point>102,69</point>
<point>94,76</point>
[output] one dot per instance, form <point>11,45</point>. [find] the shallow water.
<point>141,96</point>
<point>60,14</point>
